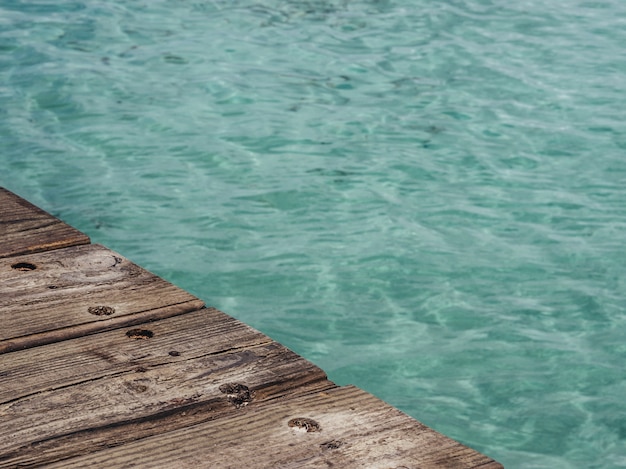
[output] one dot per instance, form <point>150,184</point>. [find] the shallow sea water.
<point>426,199</point>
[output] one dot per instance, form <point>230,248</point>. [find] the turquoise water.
<point>426,199</point>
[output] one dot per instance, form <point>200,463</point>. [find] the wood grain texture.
<point>52,301</point>
<point>25,228</point>
<point>350,429</point>
<point>176,339</point>
<point>93,414</point>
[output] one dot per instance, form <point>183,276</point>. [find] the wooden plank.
<point>56,295</point>
<point>53,366</point>
<point>25,228</point>
<point>185,386</point>
<point>91,415</point>
<point>342,427</point>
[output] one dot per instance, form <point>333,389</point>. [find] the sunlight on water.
<point>424,198</point>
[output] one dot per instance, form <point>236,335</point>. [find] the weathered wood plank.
<point>25,228</point>
<point>186,386</point>
<point>58,365</point>
<point>94,414</point>
<point>347,428</point>
<point>65,293</point>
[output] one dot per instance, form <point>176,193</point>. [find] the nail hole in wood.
<point>332,444</point>
<point>139,334</point>
<point>238,394</point>
<point>136,387</point>
<point>23,266</point>
<point>303,423</point>
<point>101,310</point>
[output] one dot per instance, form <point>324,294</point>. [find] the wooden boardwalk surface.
<point>103,364</point>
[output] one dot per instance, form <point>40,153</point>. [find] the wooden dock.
<point>103,364</point>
